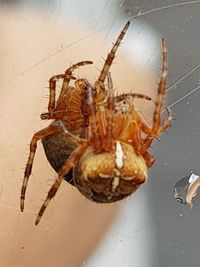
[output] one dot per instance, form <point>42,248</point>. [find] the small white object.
<point>193,178</point>
<point>115,183</point>
<point>119,155</point>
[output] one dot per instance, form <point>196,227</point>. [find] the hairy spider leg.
<point>93,120</point>
<point>145,129</point>
<point>157,126</point>
<point>112,53</point>
<point>52,87</point>
<point>149,159</point>
<point>161,92</point>
<point>33,146</point>
<point>52,95</point>
<point>133,95</point>
<point>68,73</point>
<point>74,157</point>
<point>110,111</point>
<point>132,132</point>
<point>104,116</point>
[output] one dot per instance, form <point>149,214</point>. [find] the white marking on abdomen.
<point>119,155</point>
<point>115,183</point>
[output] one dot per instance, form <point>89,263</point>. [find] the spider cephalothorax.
<point>97,141</point>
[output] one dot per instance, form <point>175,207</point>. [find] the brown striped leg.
<point>142,123</point>
<point>75,156</point>
<point>105,117</point>
<point>102,125</point>
<point>110,103</point>
<point>149,159</point>
<point>112,53</point>
<point>33,146</point>
<point>110,107</point>
<point>68,73</point>
<point>52,87</point>
<point>133,133</point>
<point>93,120</point>
<point>161,92</point>
<point>75,137</point>
<point>52,95</point>
<point>132,95</point>
<point>159,102</point>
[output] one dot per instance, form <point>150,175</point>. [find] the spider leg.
<point>132,95</point>
<point>141,122</point>
<point>101,117</point>
<point>94,131</point>
<point>111,55</point>
<point>149,159</point>
<point>76,138</point>
<point>166,123</point>
<point>110,107</point>
<point>161,92</point>
<point>132,133</point>
<point>155,130</point>
<point>52,87</point>
<point>52,95</point>
<point>68,73</point>
<point>33,146</point>
<point>75,156</point>
<point>105,117</point>
<point>140,96</point>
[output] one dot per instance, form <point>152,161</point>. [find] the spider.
<point>97,141</point>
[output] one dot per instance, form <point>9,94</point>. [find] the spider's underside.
<point>98,142</point>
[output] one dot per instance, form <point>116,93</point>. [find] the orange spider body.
<point>97,141</point>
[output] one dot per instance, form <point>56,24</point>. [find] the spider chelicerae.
<point>97,141</point>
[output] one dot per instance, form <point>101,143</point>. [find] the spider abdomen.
<point>110,176</point>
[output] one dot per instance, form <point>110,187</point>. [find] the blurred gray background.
<point>177,152</point>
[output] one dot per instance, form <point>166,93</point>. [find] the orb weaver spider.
<point>98,137</point>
